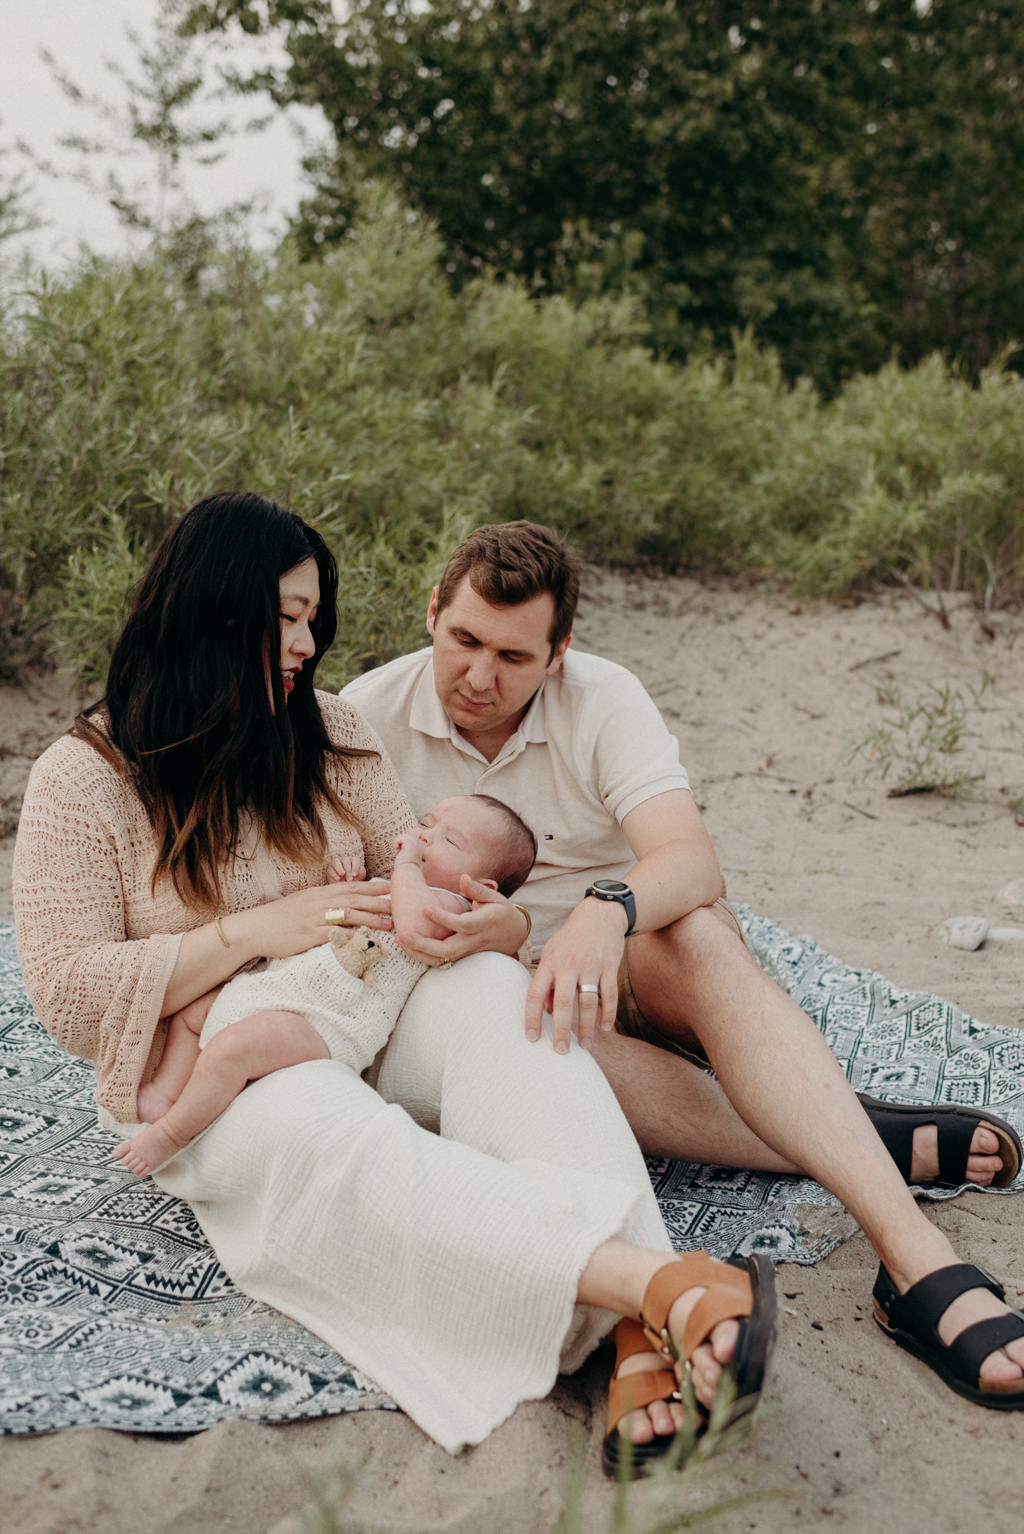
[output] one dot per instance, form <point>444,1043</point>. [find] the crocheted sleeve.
<point>97,947</point>
<point>78,862</point>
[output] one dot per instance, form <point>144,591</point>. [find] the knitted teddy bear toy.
<point>356,951</point>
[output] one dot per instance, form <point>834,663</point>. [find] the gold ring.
<point>335,917</point>
<point>590,990</point>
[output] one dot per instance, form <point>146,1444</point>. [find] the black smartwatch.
<point>614,889</point>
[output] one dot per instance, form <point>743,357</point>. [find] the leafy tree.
<point>152,119</point>
<point>17,212</point>
<point>533,132</point>
<point>836,175</point>
<point>397,413</point>
<point>938,175</point>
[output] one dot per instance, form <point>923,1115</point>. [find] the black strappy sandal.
<point>912,1320</point>
<point>896,1122</point>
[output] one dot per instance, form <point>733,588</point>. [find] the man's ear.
<point>432,611</point>
<point>555,663</point>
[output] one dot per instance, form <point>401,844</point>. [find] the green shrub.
<point>395,415</point>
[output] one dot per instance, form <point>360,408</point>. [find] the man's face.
<point>489,661</point>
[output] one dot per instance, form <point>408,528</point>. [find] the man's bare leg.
<point>785,1083</point>
<point>675,1109</point>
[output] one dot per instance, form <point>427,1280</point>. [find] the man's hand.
<point>493,925</point>
<point>584,952</point>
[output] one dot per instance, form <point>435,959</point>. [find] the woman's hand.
<point>494,925</point>
<point>211,954</point>
<point>294,923</point>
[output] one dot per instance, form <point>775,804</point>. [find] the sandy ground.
<point>766,696</point>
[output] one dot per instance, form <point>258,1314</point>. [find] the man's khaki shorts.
<point>631,1020</point>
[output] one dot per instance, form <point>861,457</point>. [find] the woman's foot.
<point>147,1151</point>
<point>664,1418</point>
<point>719,1321</point>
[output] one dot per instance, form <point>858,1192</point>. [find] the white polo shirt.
<point>590,748</point>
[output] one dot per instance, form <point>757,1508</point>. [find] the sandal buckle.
<point>661,1341</point>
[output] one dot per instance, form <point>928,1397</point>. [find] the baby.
<point>339,1001</point>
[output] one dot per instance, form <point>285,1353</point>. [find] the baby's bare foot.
<point>149,1149</point>
<point>152,1103</point>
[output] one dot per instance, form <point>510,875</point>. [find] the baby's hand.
<point>344,868</point>
<point>410,849</point>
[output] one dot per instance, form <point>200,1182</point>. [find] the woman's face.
<point>300,598</point>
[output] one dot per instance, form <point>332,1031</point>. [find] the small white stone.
<point>965,931</point>
<point>1013,893</point>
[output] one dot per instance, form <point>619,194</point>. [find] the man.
<point>627,915</point>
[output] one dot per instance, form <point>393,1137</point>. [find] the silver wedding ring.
<point>335,917</point>
<point>590,990</point>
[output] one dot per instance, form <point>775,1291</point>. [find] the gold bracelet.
<point>529,922</point>
<point>220,932</point>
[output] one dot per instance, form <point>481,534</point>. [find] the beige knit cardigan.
<point>97,947</point>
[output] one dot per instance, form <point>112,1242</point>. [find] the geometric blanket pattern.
<point>115,1313</point>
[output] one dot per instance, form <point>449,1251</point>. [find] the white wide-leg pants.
<point>433,1231</point>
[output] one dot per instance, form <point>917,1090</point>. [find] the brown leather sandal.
<point>741,1289</point>
<point>631,1394</point>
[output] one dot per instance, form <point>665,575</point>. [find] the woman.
<point>181,831</point>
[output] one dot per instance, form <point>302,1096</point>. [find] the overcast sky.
<point>81,34</point>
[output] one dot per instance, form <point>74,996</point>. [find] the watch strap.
<point>623,897</point>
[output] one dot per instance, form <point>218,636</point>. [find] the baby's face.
<point>459,836</point>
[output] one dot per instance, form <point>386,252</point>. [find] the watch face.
<point>614,889</point>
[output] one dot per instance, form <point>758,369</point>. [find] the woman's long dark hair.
<point>196,708</point>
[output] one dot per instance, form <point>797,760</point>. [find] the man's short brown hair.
<point>510,562</point>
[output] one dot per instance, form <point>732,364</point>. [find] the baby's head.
<point>476,835</point>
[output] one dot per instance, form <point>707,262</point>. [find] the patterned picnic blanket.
<point>115,1312</point>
